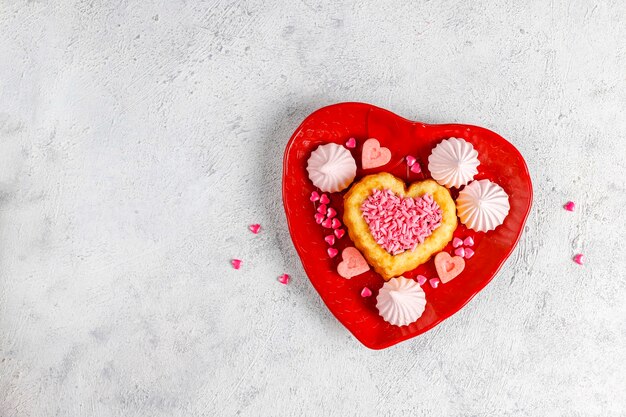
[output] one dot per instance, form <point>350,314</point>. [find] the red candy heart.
<point>499,162</point>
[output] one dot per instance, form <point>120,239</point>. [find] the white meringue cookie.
<point>453,162</point>
<point>482,205</point>
<point>331,167</point>
<point>401,301</point>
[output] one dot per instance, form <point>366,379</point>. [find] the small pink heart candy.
<point>351,143</point>
<point>324,199</point>
<point>330,239</point>
<point>236,263</point>
<point>339,233</point>
<point>410,160</point>
<point>314,196</point>
<point>416,168</point>
<point>254,228</point>
<point>284,279</point>
<point>469,241</point>
<point>331,212</point>
<point>366,292</point>
<point>322,208</point>
<point>434,282</point>
<point>373,155</point>
<point>336,224</point>
<point>460,252</point>
<point>332,252</point>
<point>319,218</point>
<point>327,223</point>
<point>468,253</point>
<point>421,279</point>
<point>456,242</point>
<point>448,267</point>
<point>352,263</point>
<point>579,259</point>
<point>569,206</point>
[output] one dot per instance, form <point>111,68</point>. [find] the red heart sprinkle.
<point>319,218</point>
<point>321,208</point>
<point>416,168</point>
<point>236,263</point>
<point>332,252</point>
<point>410,160</point>
<point>351,143</point>
<point>579,259</point>
<point>284,279</point>
<point>330,239</point>
<point>327,223</point>
<point>331,212</point>
<point>569,206</point>
<point>469,241</point>
<point>254,228</point>
<point>314,196</point>
<point>324,199</point>
<point>456,242</point>
<point>366,292</point>
<point>434,282</point>
<point>468,253</point>
<point>421,279</point>
<point>339,233</point>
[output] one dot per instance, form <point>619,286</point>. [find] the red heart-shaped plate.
<point>499,162</point>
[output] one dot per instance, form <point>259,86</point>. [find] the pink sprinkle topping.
<point>319,218</point>
<point>284,279</point>
<point>327,223</point>
<point>410,160</point>
<point>331,212</point>
<point>314,196</point>
<point>255,228</point>
<point>351,143</point>
<point>398,223</point>
<point>416,168</point>
<point>336,224</point>
<point>324,199</point>
<point>421,279</point>
<point>579,259</point>
<point>460,252</point>
<point>469,241</point>
<point>434,282</point>
<point>330,239</point>
<point>366,292</point>
<point>332,252</point>
<point>569,206</point>
<point>456,242</point>
<point>468,253</point>
<point>236,263</point>
<point>321,208</point>
<point>339,233</point>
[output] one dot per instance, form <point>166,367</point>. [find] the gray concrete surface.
<point>139,139</point>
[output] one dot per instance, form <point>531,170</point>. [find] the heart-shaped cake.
<point>398,223</point>
<point>406,211</point>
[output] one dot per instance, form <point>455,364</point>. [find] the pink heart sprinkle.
<point>469,241</point>
<point>332,252</point>
<point>468,253</point>
<point>366,292</point>
<point>236,263</point>
<point>327,223</point>
<point>339,233</point>
<point>351,143</point>
<point>579,259</point>
<point>319,218</point>
<point>336,224</point>
<point>410,160</point>
<point>322,208</point>
<point>324,199</point>
<point>330,239</point>
<point>569,206</point>
<point>456,242</point>
<point>434,282</point>
<point>421,279</point>
<point>416,168</point>
<point>314,196</point>
<point>331,212</point>
<point>284,279</point>
<point>254,228</point>
<point>459,252</point>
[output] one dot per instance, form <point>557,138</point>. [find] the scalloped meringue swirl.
<point>401,301</point>
<point>482,205</point>
<point>453,162</point>
<point>331,167</point>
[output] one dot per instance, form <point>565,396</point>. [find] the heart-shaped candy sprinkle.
<point>339,233</point>
<point>410,160</point>
<point>448,267</point>
<point>469,241</point>
<point>352,264</point>
<point>579,259</point>
<point>324,199</point>
<point>332,252</point>
<point>421,279</point>
<point>236,263</point>
<point>416,168</point>
<point>366,292</point>
<point>284,279</point>
<point>468,253</point>
<point>330,239</point>
<point>314,196</point>
<point>456,242</point>
<point>374,155</point>
<point>434,282</point>
<point>255,228</point>
<point>331,212</point>
<point>322,208</point>
<point>319,218</point>
<point>460,252</point>
<point>569,206</point>
<point>327,223</point>
<point>336,224</point>
<point>351,143</point>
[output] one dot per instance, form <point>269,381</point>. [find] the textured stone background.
<point>139,139</point>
